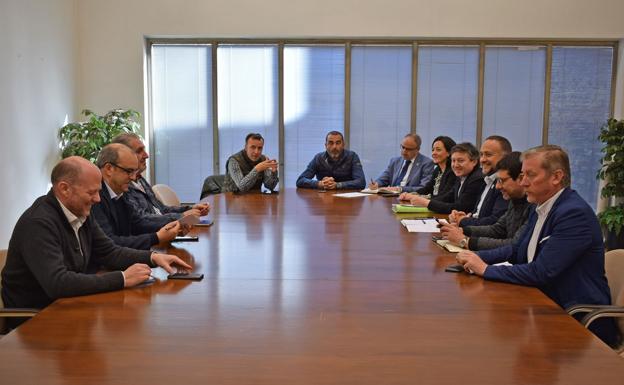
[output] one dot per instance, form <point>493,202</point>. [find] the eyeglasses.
<point>129,171</point>
<point>408,148</point>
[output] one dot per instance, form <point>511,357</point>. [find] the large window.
<point>579,106</point>
<point>293,92</point>
<point>513,102</point>
<point>313,103</point>
<point>182,117</point>
<point>381,90</point>
<point>247,98</point>
<point>447,94</point>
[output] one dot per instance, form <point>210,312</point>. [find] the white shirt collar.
<point>543,209</point>
<point>489,179</point>
<point>75,222</point>
<point>137,185</point>
<point>112,194</point>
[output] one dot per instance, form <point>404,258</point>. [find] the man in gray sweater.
<point>508,227</point>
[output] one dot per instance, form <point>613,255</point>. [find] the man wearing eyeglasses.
<point>141,197</point>
<point>406,173</point>
<point>509,227</point>
<point>119,166</point>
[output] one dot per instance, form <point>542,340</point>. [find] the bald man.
<point>55,242</point>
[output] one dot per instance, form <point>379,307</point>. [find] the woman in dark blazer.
<point>443,178</point>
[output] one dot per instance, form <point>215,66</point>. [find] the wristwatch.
<point>464,243</point>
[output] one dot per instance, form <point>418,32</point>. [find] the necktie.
<point>403,172</point>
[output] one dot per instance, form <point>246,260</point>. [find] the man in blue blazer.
<point>561,250</point>
<point>408,172</point>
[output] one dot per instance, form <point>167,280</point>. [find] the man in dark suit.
<point>409,172</point>
<point>119,166</point>
<point>491,204</point>
<point>561,250</point>
<point>467,188</point>
<point>141,197</point>
<point>56,240</point>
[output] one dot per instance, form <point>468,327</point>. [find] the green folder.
<point>399,208</point>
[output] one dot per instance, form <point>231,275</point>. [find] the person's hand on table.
<point>193,211</point>
<point>203,208</point>
<point>327,183</point>
<point>472,262</point>
<point>168,231</point>
<point>417,200</point>
<point>184,229</point>
<point>405,196</point>
<point>136,274</point>
<point>456,216</point>
<point>453,233</point>
<point>166,261</point>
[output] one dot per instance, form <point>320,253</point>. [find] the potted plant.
<point>612,172</point>
<point>86,139</point>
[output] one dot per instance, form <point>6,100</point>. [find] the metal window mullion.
<point>215,111</point>
<point>347,93</point>
<point>480,91</point>
<point>148,114</point>
<point>547,87</point>
<point>614,68</point>
<point>280,103</point>
<point>414,87</point>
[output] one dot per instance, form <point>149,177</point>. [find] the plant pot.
<point>613,241</point>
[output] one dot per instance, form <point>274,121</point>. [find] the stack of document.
<point>381,191</point>
<point>448,246</point>
<point>427,225</point>
<point>407,208</point>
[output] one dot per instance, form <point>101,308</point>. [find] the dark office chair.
<point>10,312</point>
<point>212,185</point>
<point>614,268</point>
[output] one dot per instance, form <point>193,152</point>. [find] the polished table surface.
<point>308,288</point>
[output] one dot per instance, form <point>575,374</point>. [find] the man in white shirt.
<point>561,250</point>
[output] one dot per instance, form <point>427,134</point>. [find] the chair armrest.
<point>602,312</point>
<point>9,312</point>
<point>583,308</point>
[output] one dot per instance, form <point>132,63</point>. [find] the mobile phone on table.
<point>185,238</point>
<point>188,276</point>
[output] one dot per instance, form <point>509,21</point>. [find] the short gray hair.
<point>415,138</point>
<point>553,158</point>
<point>126,138</point>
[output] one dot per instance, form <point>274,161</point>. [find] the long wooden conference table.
<point>308,288</point>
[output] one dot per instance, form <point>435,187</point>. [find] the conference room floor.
<point>308,288</point>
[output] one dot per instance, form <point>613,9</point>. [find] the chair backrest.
<point>166,195</point>
<point>614,267</point>
<point>3,256</point>
<point>212,185</point>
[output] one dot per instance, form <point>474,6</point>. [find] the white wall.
<point>37,92</point>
